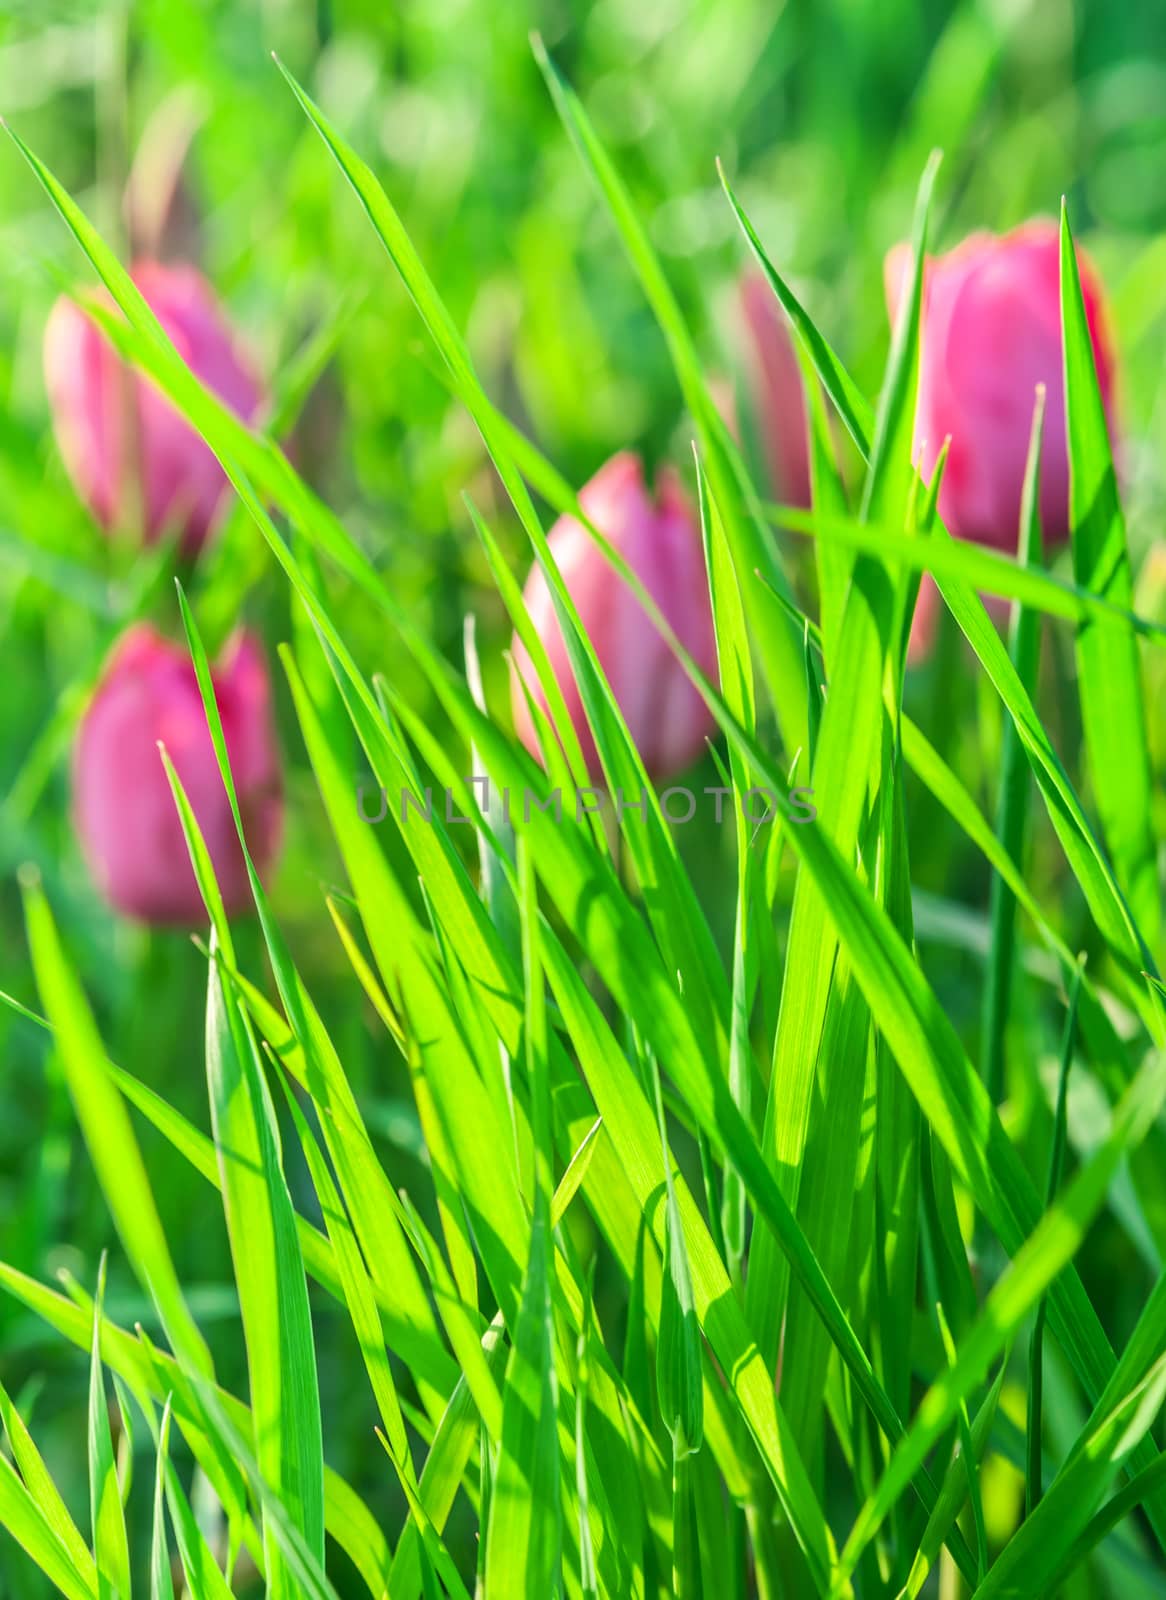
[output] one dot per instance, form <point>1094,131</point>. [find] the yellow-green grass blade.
<point>106,1127</point>
<point>199,1567</point>
<point>269,1272</point>
<point>523,1535</point>
<point>1109,671</point>
<point>161,1579</point>
<point>847,398</point>
<point>23,1518</point>
<point>356,1285</point>
<point>111,1551</point>
<point>39,1484</point>
<point>735,668</point>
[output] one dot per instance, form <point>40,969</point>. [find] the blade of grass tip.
<point>105,1124</point>
<point>199,1567</point>
<point>21,1516</point>
<point>1032,1466</point>
<point>574,1173</point>
<point>523,1536</point>
<point>1012,805</point>
<point>433,1548</point>
<point>39,1484</point>
<point>968,1451</point>
<point>848,400</point>
<point>110,1544</point>
<point>751,541</point>
<point>389,228</point>
<point>161,1580</point>
<point>1109,668</point>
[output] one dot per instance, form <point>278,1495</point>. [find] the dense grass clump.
<point>459,1171</point>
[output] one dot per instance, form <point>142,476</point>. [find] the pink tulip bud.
<point>130,455</point>
<point>777,386</point>
<point>660,540</point>
<point>990,332</point>
<point>124,812</point>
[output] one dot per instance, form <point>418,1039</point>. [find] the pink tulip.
<point>124,812</point>
<point>990,332</point>
<point>130,455</point>
<point>659,538</point>
<point>777,385</point>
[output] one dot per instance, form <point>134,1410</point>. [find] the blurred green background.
<point>824,112</point>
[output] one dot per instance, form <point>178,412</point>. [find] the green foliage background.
<point>824,114</point>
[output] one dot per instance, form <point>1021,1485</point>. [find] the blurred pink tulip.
<point>990,332</point>
<point>129,453</point>
<point>777,386</point>
<point>660,540</point>
<point>123,809</point>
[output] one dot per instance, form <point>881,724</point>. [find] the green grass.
<point>582,1208</point>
